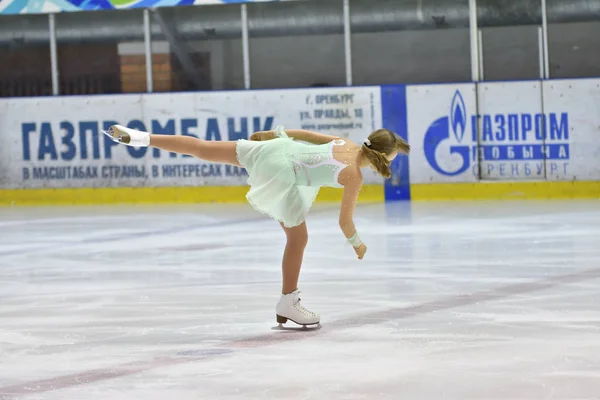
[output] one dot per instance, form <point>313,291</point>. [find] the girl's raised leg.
<point>212,151</point>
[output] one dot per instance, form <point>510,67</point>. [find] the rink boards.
<point>497,140</point>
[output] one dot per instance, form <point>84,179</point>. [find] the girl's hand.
<point>360,251</point>
<point>262,135</point>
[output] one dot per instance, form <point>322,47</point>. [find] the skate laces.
<point>300,307</point>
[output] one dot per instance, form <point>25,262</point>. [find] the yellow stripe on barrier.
<point>157,195</point>
<point>506,190</point>
<point>236,194</point>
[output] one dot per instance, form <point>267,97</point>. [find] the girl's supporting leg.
<point>297,239</point>
<point>289,306</point>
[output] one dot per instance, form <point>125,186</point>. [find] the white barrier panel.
<point>57,143</point>
<point>512,131</point>
<point>441,133</point>
<point>511,126</point>
<point>575,138</point>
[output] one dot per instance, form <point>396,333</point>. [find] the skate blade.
<point>115,137</point>
<point>297,328</point>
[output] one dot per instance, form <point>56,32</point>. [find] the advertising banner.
<point>57,142</point>
<point>506,131</point>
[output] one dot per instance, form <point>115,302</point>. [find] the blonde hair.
<point>380,144</point>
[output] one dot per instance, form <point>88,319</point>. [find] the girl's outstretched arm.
<point>298,134</point>
<point>351,191</point>
<point>311,137</point>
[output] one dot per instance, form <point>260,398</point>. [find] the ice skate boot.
<point>128,136</point>
<point>289,307</point>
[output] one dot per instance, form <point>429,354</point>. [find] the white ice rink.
<point>452,301</point>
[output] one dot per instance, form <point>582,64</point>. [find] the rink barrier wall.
<point>541,190</point>
<point>52,150</point>
<point>500,140</point>
<point>158,195</point>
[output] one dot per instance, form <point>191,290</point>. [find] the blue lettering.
<point>25,174</point>
<point>496,152</point>
<point>61,173</point>
<point>502,172</point>
<point>84,127</point>
<point>26,129</point>
<point>67,140</point>
<point>46,143</point>
<point>540,168</point>
<point>475,170</point>
<point>210,170</point>
<point>515,169</point>
<point>513,127</point>
<point>474,122</point>
<point>267,126</point>
<point>526,125</point>
<point>212,129</point>
<point>231,170</point>
<point>556,151</point>
<point>236,135</point>
<point>38,173</point>
<point>540,127</point>
<point>559,132</point>
<point>501,132</point>
<point>167,170</point>
<point>186,124</point>
<point>487,129</point>
<point>563,151</point>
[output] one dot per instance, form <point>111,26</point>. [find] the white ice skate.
<point>128,136</point>
<point>289,307</point>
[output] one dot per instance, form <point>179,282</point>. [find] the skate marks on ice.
<point>147,233</point>
<point>423,308</point>
<point>226,349</point>
<point>97,375</point>
<point>138,234</point>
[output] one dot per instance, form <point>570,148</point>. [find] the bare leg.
<point>297,238</point>
<point>212,151</point>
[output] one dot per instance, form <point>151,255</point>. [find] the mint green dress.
<point>285,176</point>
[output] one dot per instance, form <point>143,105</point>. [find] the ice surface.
<point>497,300</point>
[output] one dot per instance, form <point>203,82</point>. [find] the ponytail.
<point>402,146</point>
<point>378,160</point>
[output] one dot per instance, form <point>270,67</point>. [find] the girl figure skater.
<point>284,177</point>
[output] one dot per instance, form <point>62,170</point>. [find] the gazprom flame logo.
<point>458,116</point>
<point>439,132</point>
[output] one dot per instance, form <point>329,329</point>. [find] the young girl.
<point>284,177</point>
